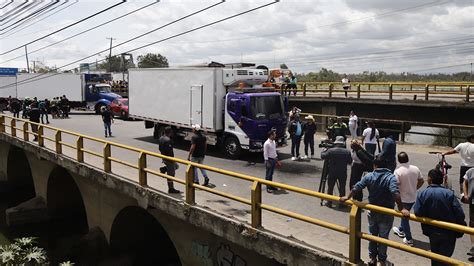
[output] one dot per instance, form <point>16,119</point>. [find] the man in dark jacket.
<point>389,152</point>
<point>166,148</point>
<point>337,160</point>
<point>34,115</point>
<point>296,132</point>
<point>439,203</point>
<point>309,129</point>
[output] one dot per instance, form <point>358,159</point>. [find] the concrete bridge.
<point>135,218</point>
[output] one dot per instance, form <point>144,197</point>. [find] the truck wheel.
<point>98,107</point>
<point>124,115</point>
<point>232,148</point>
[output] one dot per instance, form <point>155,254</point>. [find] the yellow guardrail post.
<point>354,231</point>
<point>304,89</point>
<point>190,192</point>
<point>2,124</point>
<point>330,89</point>
<point>411,87</point>
<point>390,92</point>
<point>468,91</point>
<point>107,161</point>
<point>26,136</point>
<point>434,87</point>
<point>427,91</point>
<point>13,127</point>
<point>80,152</point>
<point>40,136</point>
<point>142,177</point>
<point>256,204</point>
<point>58,138</point>
<point>358,91</point>
<point>368,87</point>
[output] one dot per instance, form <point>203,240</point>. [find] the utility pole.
<point>110,53</point>
<point>34,66</point>
<point>27,63</point>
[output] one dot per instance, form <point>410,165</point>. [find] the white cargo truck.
<point>233,116</point>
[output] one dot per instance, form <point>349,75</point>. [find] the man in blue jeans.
<point>296,132</point>
<point>108,119</point>
<point>381,183</point>
<point>409,180</point>
<point>271,158</point>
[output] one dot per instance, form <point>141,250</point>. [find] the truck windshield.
<point>103,89</point>
<point>266,107</point>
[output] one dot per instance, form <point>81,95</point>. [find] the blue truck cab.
<point>97,91</point>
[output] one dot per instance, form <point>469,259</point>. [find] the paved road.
<point>304,174</point>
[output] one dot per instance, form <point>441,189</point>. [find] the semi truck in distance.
<point>83,90</point>
<point>233,110</point>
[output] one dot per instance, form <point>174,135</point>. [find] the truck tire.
<point>124,115</point>
<point>98,107</point>
<point>232,147</point>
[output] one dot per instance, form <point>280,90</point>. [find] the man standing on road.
<point>108,119</point>
<point>439,203</point>
<point>383,191</point>
<point>338,129</point>
<point>469,199</point>
<point>296,132</point>
<point>271,158</point>
<point>165,145</point>
<point>198,152</point>
<point>466,150</point>
<point>389,151</point>
<point>409,180</point>
<point>15,107</point>
<point>309,129</point>
<point>338,159</point>
<point>34,115</point>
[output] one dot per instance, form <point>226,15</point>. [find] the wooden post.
<point>107,161</point>
<point>450,136</point>
<point>304,89</point>
<point>80,152</point>
<point>390,92</point>
<point>427,91</point>
<point>411,87</point>
<point>434,87</point>
<point>402,136</point>
<point>368,87</point>
<point>40,136</point>
<point>13,127</point>
<point>2,124</point>
<point>142,175</point>
<point>468,91</point>
<point>190,193</point>
<point>358,91</point>
<point>256,204</point>
<point>59,146</point>
<point>26,136</point>
<point>330,90</point>
<point>354,239</point>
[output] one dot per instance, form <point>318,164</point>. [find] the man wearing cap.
<point>309,129</point>
<point>296,132</point>
<point>338,159</point>
<point>198,152</point>
<point>271,158</point>
<point>466,150</point>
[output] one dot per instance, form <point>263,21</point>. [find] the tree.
<point>116,64</point>
<point>152,60</point>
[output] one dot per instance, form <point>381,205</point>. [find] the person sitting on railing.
<point>384,192</point>
<point>439,203</point>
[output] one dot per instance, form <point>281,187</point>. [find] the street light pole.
<point>110,53</point>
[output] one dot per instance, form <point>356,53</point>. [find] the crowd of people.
<point>375,167</point>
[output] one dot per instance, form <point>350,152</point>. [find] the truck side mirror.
<point>286,103</point>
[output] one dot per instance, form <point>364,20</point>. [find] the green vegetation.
<point>152,60</point>
<point>23,251</point>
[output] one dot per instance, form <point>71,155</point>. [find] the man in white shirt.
<point>345,85</point>
<point>353,125</point>
<point>469,199</point>
<point>409,180</point>
<point>466,150</point>
<point>271,158</point>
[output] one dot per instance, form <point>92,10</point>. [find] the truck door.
<point>196,105</point>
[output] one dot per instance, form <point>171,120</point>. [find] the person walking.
<point>337,158</point>
<point>469,199</point>
<point>271,158</point>
<point>34,115</point>
<point>361,162</point>
<point>409,180</point>
<point>296,132</point>
<point>43,111</point>
<point>309,129</point>
<point>108,119</point>
<point>466,150</point>
<point>370,137</point>
<point>439,203</point>
<point>197,152</point>
<point>15,107</point>
<point>165,145</point>
<point>353,125</point>
<point>383,191</point>
<point>389,151</point>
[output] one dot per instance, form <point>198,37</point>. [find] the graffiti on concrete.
<point>225,257</point>
<point>203,252</point>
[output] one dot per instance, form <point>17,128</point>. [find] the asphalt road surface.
<point>304,174</point>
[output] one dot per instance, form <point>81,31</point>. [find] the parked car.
<point>119,107</point>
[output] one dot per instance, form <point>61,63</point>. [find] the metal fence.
<point>10,126</point>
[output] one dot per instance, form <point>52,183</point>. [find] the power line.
<point>21,21</point>
<point>13,10</point>
<point>24,10</point>
<point>7,4</point>
<point>66,27</point>
<point>141,47</point>
<point>39,15</point>
<point>84,31</point>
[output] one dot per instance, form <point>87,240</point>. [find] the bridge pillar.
<point>327,110</point>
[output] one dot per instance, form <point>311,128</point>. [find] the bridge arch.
<point>64,199</point>
<point>139,235</point>
<point>19,177</point>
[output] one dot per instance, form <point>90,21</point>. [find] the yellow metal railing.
<point>387,88</point>
<point>255,202</point>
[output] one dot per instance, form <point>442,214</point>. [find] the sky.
<point>346,36</point>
